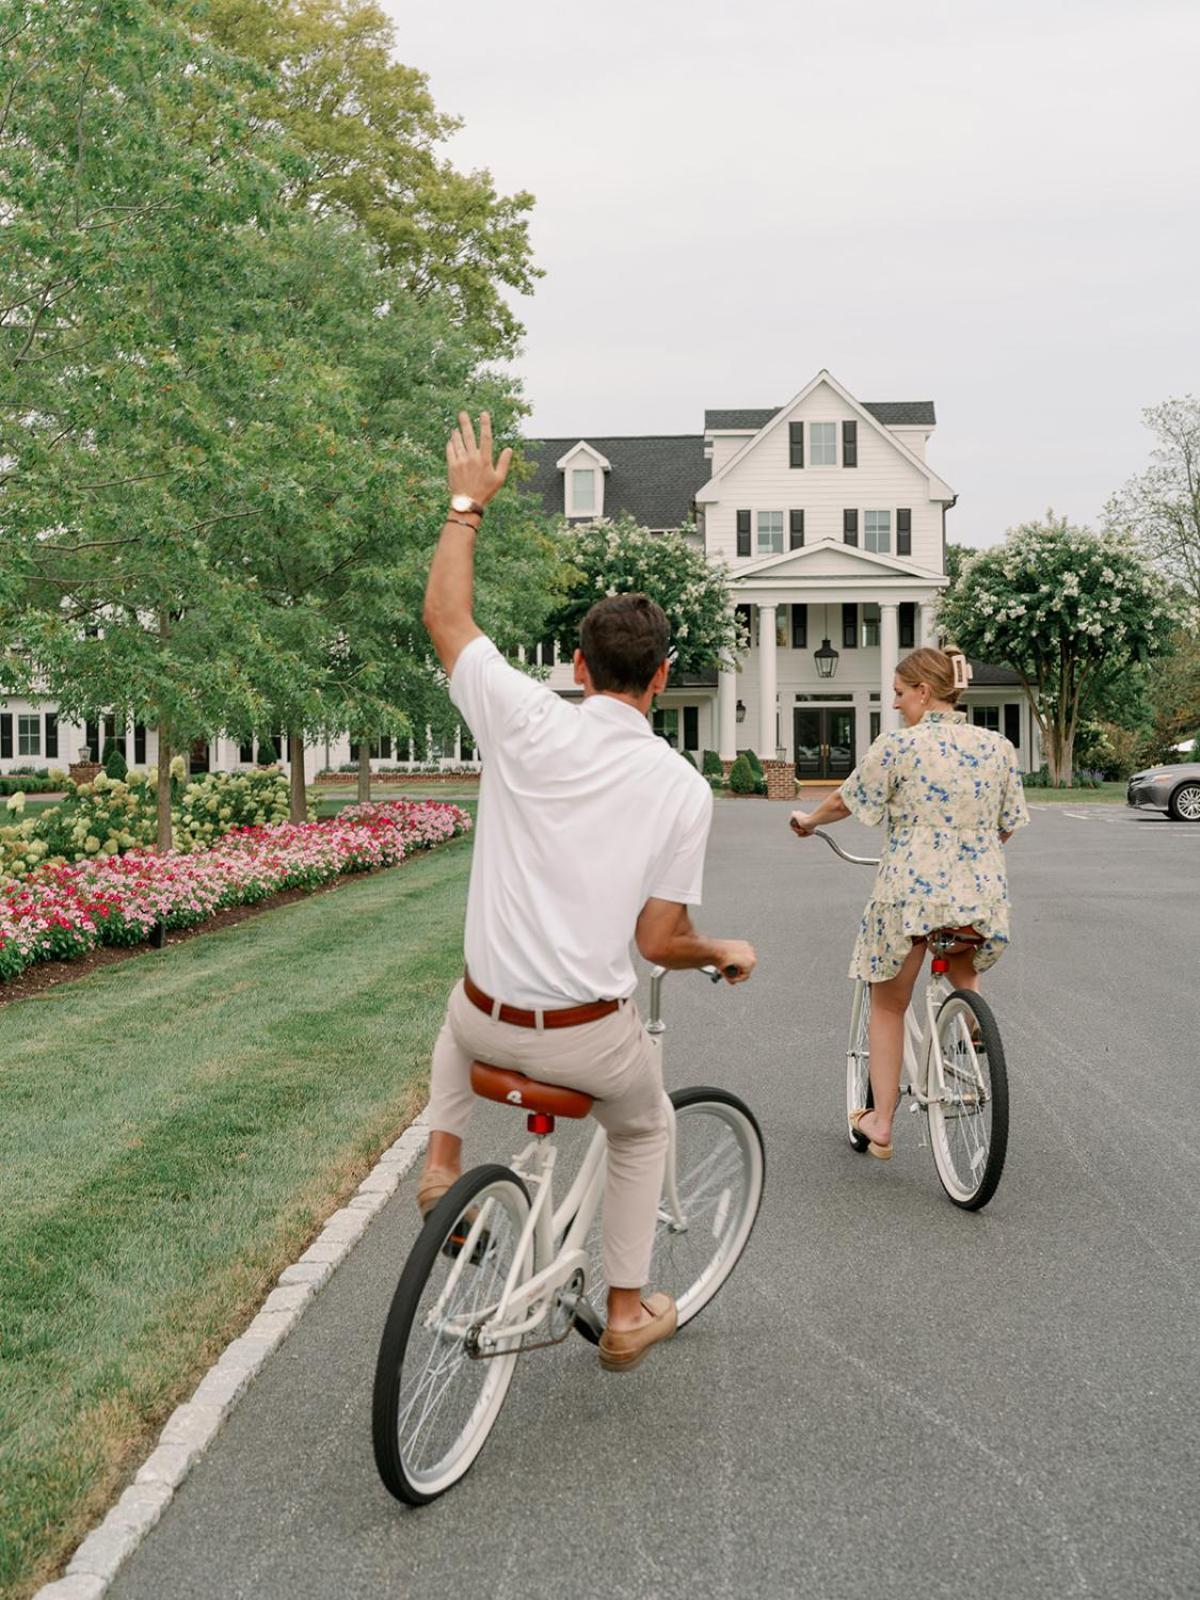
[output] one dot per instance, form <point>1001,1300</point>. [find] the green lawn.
<point>175,1130</point>
<point>1108,794</point>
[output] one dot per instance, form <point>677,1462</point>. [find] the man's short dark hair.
<point>624,639</point>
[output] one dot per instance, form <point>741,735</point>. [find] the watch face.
<point>462,502</point>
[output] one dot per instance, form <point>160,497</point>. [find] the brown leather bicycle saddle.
<point>527,1094</point>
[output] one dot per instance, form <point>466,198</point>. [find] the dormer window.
<point>583,492</point>
<point>583,469</point>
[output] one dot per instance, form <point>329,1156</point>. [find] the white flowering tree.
<point>1060,605</point>
<point>623,558</point>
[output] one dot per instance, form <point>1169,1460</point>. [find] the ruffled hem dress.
<point>944,791</point>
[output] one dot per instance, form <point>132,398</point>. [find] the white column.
<point>928,633</point>
<point>727,715</point>
<point>457,743</point>
<point>766,683</point>
<point>889,655</point>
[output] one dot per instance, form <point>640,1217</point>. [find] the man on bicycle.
<point>591,834</point>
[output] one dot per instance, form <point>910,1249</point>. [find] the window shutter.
<point>246,752</point>
<point>849,626</point>
<point>799,627</point>
<point>92,732</point>
<point>52,733</point>
<point>796,526</point>
<point>139,745</point>
<point>850,527</point>
<point>691,727</point>
<point>904,533</point>
<point>1012,724</point>
<point>849,444</point>
<point>6,733</point>
<point>795,444</point>
<point>908,624</point>
<point>743,533</point>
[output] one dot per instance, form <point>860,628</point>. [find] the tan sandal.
<point>881,1152</point>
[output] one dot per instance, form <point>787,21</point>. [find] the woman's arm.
<point>832,809</point>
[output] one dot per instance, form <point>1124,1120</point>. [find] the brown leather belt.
<point>569,1017</point>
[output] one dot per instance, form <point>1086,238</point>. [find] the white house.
<point>834,527</point>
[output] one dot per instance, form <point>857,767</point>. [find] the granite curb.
<point>192,1426</point>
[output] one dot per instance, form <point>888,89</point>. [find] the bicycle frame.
<point>552,1238</point>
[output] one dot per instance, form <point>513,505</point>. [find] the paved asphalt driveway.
<point>891,1398</point>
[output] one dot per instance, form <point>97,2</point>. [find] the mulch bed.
<point>35,980</point>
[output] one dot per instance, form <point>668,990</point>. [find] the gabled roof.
<point>939,489</point>
<point>582,448</point>
<point>892,413</point>
<point>654,480</point>
<point>872,564</point>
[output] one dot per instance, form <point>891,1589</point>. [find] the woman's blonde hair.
<point>944,672</point>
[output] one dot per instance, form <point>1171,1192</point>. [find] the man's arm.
<point>665,935</point>
<point>449,593</point>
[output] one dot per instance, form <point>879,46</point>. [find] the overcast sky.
<point>990,206</point>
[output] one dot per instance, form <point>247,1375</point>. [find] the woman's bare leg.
<point>889,1002</point>
<point>962,972</point>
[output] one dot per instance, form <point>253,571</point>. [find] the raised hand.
<point>469,465</point>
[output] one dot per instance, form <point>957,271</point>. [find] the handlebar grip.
<point>731,971</point>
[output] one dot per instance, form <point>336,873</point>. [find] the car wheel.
<point>1184,804</point>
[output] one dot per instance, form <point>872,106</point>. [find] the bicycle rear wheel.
<point>720,1168</point>
<point>858,1061</point>
<point>434,1402</point>
<point>968,1120</point>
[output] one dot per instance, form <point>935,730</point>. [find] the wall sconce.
<point>741,711</point>
<point>826,659</point>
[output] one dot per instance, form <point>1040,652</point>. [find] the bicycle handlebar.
<point>713,974</point>
<point>857,861</point>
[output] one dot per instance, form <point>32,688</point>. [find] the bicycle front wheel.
<point>858,1062</point>
<point>435,1401</point>
<point>968,1114</point>
<point>720,1168</point>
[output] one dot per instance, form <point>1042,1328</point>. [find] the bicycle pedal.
<point>456,1243</point>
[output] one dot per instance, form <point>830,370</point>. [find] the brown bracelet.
<point>474,526</point>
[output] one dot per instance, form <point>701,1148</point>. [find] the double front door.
<point>824,741</point>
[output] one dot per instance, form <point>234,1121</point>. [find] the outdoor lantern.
<point>741,711</point>
<point>827,659</point>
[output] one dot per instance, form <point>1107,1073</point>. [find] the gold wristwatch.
<point>463,504</point>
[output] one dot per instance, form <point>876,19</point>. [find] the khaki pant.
<point>612,1059</point>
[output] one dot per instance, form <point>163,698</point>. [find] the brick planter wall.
<point>84,771</point>
<point>781,780</point>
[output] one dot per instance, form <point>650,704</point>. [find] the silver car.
<point>1175,790</point>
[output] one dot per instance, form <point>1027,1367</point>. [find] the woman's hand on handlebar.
<point>802,824</point>
<point>735,958</point>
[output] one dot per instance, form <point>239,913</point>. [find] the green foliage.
<point>741,776</point>
<point>688,757</point>
<point>622,558</point>
<point>756,766</point>
<point>1062,606</point>
<point>1161,507</point>
<point>711,765</point>
<point>115,764</point>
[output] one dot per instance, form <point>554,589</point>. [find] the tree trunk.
<point>162,842</point>
<point>364,771</point>
<point>299,795</point>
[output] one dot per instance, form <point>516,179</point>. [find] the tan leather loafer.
<point>435,1181</point>
<point>624,1349</point>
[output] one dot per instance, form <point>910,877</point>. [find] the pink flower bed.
<point>60,913</point>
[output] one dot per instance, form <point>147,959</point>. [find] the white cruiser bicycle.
<point>953,1069</point>
<point>499,1270</point>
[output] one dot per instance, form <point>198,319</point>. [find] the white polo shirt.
<point>584,815</point>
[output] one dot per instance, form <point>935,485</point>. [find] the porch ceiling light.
<point>826,659</point>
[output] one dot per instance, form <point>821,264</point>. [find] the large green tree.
<point>1062,606</point>
<point>371,136</point>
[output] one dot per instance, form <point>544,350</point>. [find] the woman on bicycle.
<point>950,796</point>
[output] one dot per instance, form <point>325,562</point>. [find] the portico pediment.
<point>831,561</point>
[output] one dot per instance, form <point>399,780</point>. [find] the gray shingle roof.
<point>985,675</point>
<point>892,413</point>
<point>653,480</point>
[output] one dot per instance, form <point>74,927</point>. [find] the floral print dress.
<point>945,791</point>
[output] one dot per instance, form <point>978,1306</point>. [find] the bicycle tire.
<point>970,1146</point>
<point>674,1265</point>
<point>858,1062</point>
<point>417,1470</point>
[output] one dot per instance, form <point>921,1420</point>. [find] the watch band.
<point>468,508</point>
<point>462,523</point>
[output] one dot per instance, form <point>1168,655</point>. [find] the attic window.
<point>583,491</point>
<point>822,444</point>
